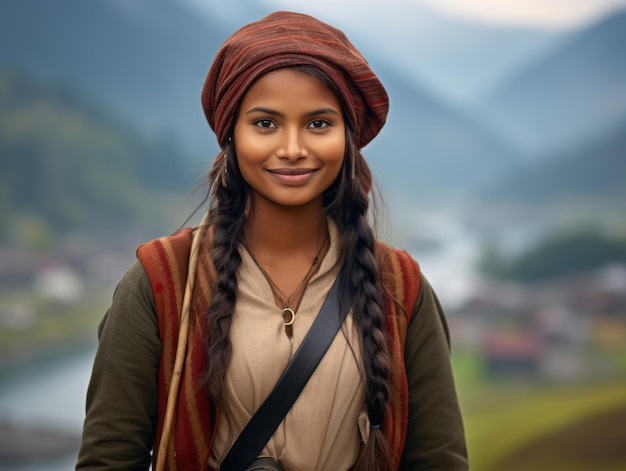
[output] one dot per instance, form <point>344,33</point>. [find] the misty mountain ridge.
<point>150,68</point>
<point>146,61</point>
<point>427,147</point>
<point>568,96</point>
<point>456,59</point>
<point>596,170</point>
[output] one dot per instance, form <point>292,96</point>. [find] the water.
<point>49,392</point>
<point>66,463</point>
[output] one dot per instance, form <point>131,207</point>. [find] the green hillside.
<point>560,255</point>
<point>575,427</point>
<point>68,164</point>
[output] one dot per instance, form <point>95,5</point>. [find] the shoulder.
<point>397,265</point>
<point>177,242</point>
<point>400,274</point>
<point>165,259</point>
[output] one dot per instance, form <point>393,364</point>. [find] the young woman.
<point>176,378</point>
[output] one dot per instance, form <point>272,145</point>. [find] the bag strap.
<point>264,422</point>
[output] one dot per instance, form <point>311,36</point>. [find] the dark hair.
<point>347,202</point>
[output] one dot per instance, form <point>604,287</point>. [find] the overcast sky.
<point>559,14</point>
<point>552,13</point>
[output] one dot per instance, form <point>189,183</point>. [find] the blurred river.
<point>48,393</point>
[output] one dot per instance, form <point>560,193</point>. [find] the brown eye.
<point>265,123</point>
<point>319,124</point>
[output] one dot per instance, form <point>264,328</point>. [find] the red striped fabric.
<point>401,279</point>
<point>285,39</point>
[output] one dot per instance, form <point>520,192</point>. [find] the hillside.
<point>596,169</point>
<point>432,47</point>
<point>146,61</point>
<point>553,259</point>
<point>482,54</point>
<point>67,164</point>
<point>592,443</point>
<point>428,147</point>
<point>568,95</point>
<point>574,427</point>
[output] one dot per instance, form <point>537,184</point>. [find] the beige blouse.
<point>323,428</point>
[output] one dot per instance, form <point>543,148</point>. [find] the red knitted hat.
<point>285,39</point>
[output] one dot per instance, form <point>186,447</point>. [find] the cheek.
<point>335,152</point>
<point>243,146</point>
<point>249,151</point>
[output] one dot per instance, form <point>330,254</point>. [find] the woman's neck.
<point>272,230</point>
<point>287,243</point>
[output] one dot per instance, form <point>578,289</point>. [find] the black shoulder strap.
<point>264,422</point>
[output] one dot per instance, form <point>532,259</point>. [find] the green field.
<point>47,326</point>
<point>525,426</point>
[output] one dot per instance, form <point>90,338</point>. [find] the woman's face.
<point>289,138</point>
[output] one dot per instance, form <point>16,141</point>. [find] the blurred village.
<point>566,330</point>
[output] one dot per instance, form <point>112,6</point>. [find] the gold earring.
<point>224,171</point>
<point>220,178</point>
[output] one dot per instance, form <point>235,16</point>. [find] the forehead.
<point>289,84</point>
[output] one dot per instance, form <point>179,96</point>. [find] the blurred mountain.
<point>230,15</point>
<point>596,169</point>
<point>68,164</point>
<point>567,96</point>
<point>458,59</point>
<point>428,147</point>
<point>143,59</point>
<point>146,61</point>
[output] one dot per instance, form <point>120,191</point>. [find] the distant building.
<point>512,353</point>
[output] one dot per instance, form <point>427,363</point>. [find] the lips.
<point>292,171</point>
<point>292,176</point>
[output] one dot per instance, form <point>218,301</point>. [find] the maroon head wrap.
<point>285,39</point>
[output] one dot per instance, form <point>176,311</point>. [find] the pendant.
<point>288,316</point>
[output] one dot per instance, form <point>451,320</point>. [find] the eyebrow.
<point>261,109</point>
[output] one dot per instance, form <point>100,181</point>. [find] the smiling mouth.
<point>292,176</point>
<point>292,171</point>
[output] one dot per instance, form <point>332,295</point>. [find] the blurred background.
<point>503,168</point>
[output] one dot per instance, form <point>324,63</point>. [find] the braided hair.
<point>346,202</point>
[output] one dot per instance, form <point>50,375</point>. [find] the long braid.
<point>360,290</point>
<point>227,217</point>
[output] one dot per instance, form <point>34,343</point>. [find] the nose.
<point>293,146</point>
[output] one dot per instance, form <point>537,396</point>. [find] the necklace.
<point>290,303</point>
